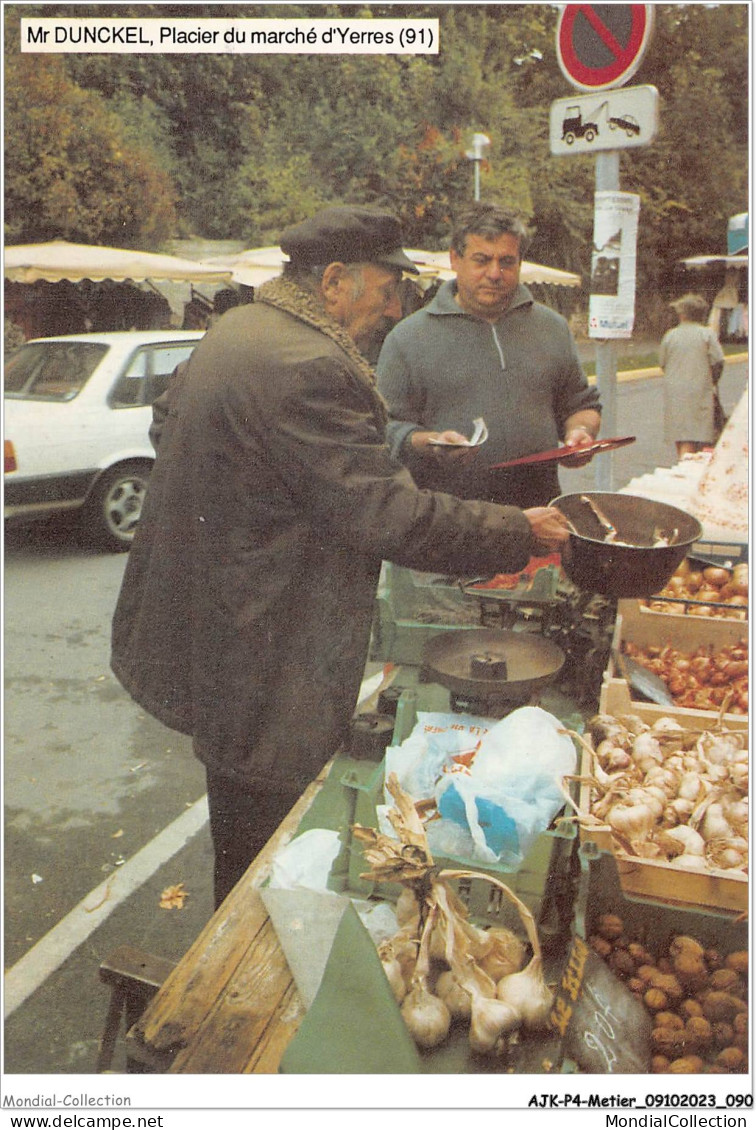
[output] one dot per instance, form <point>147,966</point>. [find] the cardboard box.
<point>705,891</point>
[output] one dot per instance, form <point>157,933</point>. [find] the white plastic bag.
<point>496,806</point>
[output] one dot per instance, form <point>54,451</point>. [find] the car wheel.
<point>112,512</point>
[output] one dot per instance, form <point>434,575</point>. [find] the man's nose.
<point>494,270</point>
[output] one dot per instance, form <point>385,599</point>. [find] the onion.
<point>739,582</point>
<point>716,576</point>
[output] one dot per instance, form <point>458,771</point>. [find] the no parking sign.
<point>602,45</point>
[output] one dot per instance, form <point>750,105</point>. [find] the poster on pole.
<point>611,309</point>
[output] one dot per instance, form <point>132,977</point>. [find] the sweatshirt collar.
<point>445,301</point>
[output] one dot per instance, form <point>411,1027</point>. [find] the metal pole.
<point>607,180</point>
<point>476,166</point>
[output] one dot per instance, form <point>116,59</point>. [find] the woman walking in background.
<point>692,360</point>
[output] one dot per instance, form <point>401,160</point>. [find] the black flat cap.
<point>346,234</point>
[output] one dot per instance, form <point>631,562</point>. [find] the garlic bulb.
<point>393,971</point>
<point>490,1023</point>
<point>678,811</point>
<point>729,853</point>
<point>455,997</point>
<point>682,840</point>
<point>507,953</point>
<point>527,994</point>
<point>690,862</point>
<point>631,820</point>
<point>407,906</point>
<point>714,826</point>
<point>646,752</point>
<point>633,723</point>
<point>426,1016</point>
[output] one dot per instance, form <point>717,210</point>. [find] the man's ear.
<point>333,277</point>
<point>334,290</point>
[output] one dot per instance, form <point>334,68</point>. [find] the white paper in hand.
<point>479,436</point>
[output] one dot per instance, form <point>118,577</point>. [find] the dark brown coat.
<point>245,612</point>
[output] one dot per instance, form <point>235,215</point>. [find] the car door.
<point>132,394</point>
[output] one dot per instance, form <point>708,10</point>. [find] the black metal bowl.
<point>636,568</point>
<point>492,663</point>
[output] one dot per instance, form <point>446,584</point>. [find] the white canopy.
<point>697,262</point>
<point>254,267</point>
<point>59,260</point>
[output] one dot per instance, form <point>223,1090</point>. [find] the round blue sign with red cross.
<point>602,45</point>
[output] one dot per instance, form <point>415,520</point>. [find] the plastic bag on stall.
<point>495,783</point>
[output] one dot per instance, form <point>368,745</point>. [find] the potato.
<point>690,971</point>
<point>610,926</point>
<point>683,943</point>
<point>720,1006</point>
<point>723,1033</point>
<point>640,954</point>
<point>732,1059</point>
<point>690,1008</point>
<point>669,985</point>
<point>725,981</point>
<point>622,963</point>
<point>668,1041</point>
<point>655,1000</point>
<point>713,959</point>
<point>687,1065</point>
<point>738,961</point>
<point>699,1033</point>
<point>669,1020</point>
<point>659,1064</point>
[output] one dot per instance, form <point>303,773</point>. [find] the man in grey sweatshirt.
<point>483,347</point>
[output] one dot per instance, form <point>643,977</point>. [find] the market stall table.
<point>230,1006</point>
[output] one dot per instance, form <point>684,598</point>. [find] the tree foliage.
<point>70,172</point>
<point>97,145</point>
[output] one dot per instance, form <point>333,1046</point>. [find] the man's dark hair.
<point>489,221</point>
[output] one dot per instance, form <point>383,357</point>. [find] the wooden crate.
<point>636,625</point>
<point>648,879</point>
<point>640,626</point>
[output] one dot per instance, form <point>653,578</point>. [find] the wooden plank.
<point>239,1020</point>
<point>187,1000</point>
<point>266,1057</point>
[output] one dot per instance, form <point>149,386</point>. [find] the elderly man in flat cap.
<point>245,612</point>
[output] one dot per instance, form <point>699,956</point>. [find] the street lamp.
<point>479,142</point>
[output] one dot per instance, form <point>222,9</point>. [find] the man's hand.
<point>577,438</point>
<point>548,527</point>
<point>454,446</point>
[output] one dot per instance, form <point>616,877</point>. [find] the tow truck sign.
<point>613,119</point>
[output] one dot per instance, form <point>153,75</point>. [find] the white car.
<point>77,417</point>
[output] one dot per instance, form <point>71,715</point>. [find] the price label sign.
<point>602,45</point>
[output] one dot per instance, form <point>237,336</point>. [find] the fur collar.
<point>293,299</point>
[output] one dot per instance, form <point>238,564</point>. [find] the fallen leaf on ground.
<point>173,898</point>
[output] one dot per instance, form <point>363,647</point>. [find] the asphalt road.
<point>103,805</point>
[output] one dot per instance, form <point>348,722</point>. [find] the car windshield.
<point>51,370</point>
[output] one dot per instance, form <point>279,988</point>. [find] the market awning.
<point>59,260</point>
<point>699,262</point>
<point>438,264</point>
<point>256,266</point>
